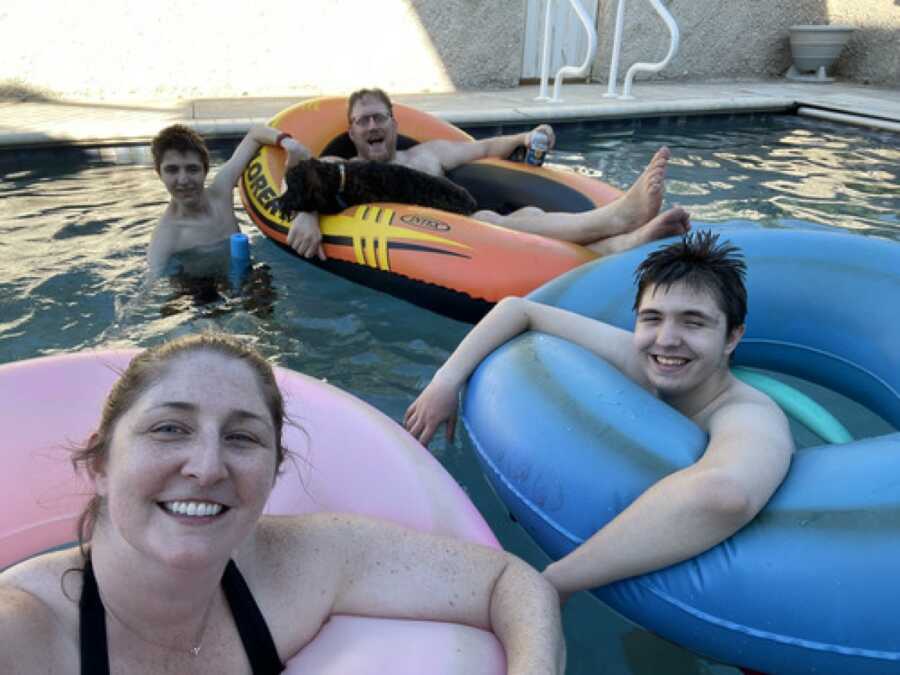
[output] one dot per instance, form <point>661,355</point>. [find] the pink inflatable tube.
<point>353,459</point>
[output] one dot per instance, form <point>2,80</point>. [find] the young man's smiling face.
<point>183,174</point>
<point>682,339</point>
<point>373,130</point>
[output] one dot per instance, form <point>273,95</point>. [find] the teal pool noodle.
<point>797,405</point>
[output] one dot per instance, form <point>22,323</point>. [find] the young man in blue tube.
<point>629,221</point>
<point>199,215</point>
<point>690,307</point>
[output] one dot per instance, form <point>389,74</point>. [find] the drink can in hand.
<point>537,149</point>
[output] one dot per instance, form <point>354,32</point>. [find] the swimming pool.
<point>74,226</point>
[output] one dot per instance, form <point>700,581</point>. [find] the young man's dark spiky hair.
<point>702,263</point>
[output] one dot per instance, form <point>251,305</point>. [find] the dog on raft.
<point>331,187</point>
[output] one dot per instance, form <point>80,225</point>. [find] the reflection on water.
<point>73,236</point>
<point>784,170</point>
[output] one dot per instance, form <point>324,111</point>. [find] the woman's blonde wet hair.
<point>144,370</point>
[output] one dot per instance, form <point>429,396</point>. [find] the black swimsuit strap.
<point>94,659</point>
<point>251,624</point>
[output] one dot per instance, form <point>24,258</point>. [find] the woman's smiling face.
<point>191,463</point>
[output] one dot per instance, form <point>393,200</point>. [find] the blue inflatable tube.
<point>812,585</point>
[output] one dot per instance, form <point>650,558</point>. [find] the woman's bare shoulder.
<point>20,607</point>
<point>39,613</point>
<point>291,559</point>
<point>289,535</point>
<point>44,573</point>
<point>312,548</point>
<point>30,632</point>
<point>302,530</point>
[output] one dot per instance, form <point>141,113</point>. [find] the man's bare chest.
<point>421,162</point>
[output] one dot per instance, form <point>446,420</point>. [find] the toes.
<point>662,157</point>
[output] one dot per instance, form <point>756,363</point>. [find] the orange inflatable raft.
<point>449,263</point>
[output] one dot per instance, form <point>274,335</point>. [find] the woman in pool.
<point>179,572</point>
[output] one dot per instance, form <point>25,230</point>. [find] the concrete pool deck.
<point>35,123</point>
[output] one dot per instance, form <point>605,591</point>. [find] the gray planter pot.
<point>814,49</point>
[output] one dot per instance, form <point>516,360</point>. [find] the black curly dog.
<point>314,185</point>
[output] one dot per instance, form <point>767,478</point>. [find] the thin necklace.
<point>193,651</point>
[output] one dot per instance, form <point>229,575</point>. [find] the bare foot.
<point>644,198</point>
<point>674,222</point>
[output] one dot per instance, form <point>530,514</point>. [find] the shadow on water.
<point>253,294</point>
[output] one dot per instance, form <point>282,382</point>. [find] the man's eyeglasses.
<point>378,118</point>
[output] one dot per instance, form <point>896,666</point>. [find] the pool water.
<point>74,226</point>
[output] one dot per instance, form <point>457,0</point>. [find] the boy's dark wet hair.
<point>181,139</point>
<point>368,93</point>
<point>703,264</point>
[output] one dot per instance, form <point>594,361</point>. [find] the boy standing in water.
<point>198,215</point>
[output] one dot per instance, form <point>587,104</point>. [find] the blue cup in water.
<point>240,246</point>
<point>240,261</point>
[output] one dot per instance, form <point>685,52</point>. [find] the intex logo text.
<point>423,221</point>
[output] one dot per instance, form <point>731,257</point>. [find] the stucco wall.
<point>135,50</point>
<point>163,49</point>
<point>873,53</point>
<point>749,38</point>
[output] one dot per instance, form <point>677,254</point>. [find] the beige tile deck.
<point>33,123</point>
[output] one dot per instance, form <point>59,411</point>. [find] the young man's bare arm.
<point>438,401</point>
<point>452,154</point>
<point>691,510</point>
<point>227,177</point>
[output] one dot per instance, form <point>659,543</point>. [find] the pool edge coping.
<point>99,128</point>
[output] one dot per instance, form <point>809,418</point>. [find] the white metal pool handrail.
<point>639,67</point>
<point>616,51</point>
<point>565,70</point>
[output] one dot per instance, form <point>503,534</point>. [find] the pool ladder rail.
<point>565,70</point>
<point>675,41</point>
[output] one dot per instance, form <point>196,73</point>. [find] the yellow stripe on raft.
<point>374,225</point>
<point>261,185</point>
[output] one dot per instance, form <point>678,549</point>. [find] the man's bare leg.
<point>635,208</point>
<point>673,222</point>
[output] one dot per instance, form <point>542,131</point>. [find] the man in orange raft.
<point>631,220</point>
